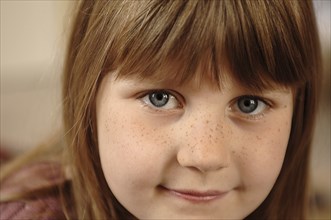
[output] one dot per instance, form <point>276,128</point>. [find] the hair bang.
<point>181,41</point>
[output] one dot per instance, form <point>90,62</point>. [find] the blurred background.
<point>33,39</point>
<point>33,35</point>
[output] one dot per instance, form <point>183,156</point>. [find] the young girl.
<point>180,110</point>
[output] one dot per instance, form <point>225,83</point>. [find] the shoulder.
<point>32,178</point>
<point>44,208</point>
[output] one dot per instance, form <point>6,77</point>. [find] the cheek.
<point>261,155</point>
<point>129,149</point>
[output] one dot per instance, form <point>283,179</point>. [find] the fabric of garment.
<point>28,179</point>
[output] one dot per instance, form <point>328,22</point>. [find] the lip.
<point>195,195</point>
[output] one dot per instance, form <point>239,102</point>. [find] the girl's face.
<point>191,151</point>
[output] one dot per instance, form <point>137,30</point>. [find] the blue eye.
<point>250,105</point>
<point>161,99</point>
<point>247,104</point>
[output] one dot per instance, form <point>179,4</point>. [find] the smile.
<point>194,195</point>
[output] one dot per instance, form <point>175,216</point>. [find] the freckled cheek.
<point>274,143</point>
<point>131,145</point>
<point>134,133</point>
<point>261,156</point>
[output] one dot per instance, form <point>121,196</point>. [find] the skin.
<point>197,157</point>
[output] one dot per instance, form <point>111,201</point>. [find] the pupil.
<point>248,102</point>
<point>159,96</point>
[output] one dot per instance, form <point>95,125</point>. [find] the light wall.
<point>33,34</point>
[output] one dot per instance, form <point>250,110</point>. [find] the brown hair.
<point>261,43</point>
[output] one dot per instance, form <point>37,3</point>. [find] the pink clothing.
<point>46,208</point>
<point>29,178</point>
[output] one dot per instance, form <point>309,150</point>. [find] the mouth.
<point>194,195</point>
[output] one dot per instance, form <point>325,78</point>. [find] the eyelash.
<point>233,108</point>
<point>172,95</point>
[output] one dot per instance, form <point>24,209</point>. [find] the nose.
<point>204,145</point>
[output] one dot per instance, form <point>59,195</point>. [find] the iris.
<point>247,104</point>
<point>159,98</point>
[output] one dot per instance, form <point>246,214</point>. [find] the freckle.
<point>259,138</point>
<point>278,129</point>
<point>207,121</point>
